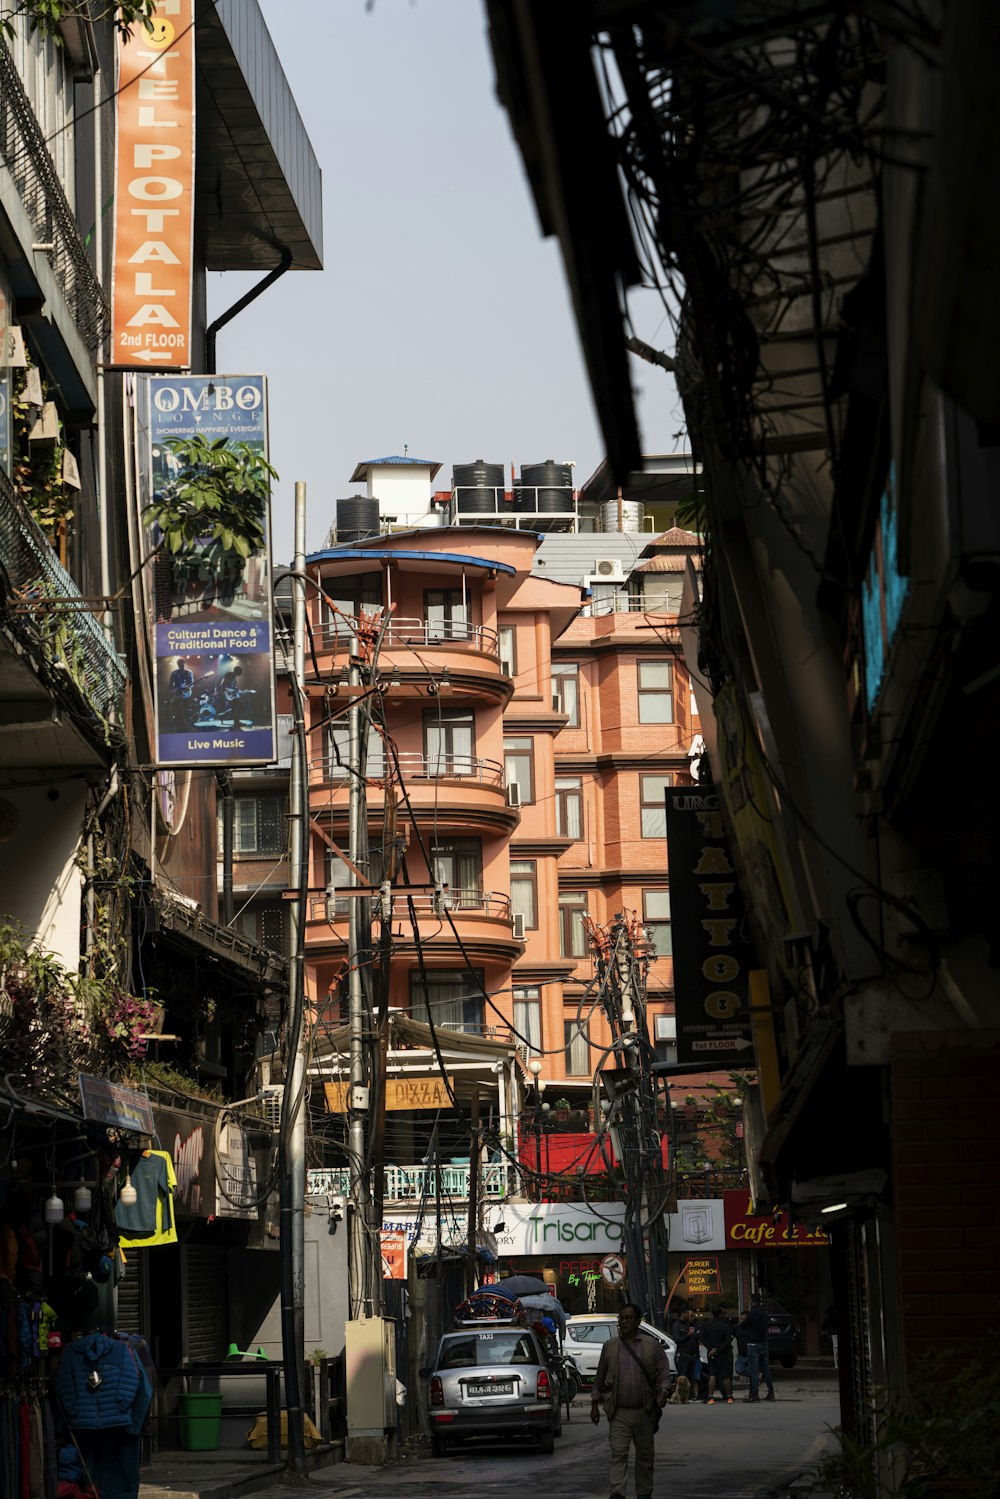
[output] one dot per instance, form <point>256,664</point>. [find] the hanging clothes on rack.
<point>149,1221</point>
<point>102,1392</point>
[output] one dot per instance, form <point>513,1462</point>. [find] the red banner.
<point>746,1229</point>
<point>154,192</point>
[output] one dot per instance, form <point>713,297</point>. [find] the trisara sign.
<point>154,192</point>
<point>746,1229</point>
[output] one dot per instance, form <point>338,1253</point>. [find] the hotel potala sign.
<point>154,192</point>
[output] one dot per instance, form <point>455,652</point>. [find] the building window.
<point>507,642</point>
<point>524,891</point>
<point>258,825</point>
<point>519,766</point>
<point>569,806</point>
<point>665,1037</point>
<point>267,926</point>
<point>446,611</point>
<point>572,937</point>
<point>455,997</point>
<point>656,918</point>
<point>457,865</point>
<point>339,753</point>
<point>566,691</point>
<point>449,741</point>
<point>652,805</point>
<point>577,1049</point>
<point>656,692</point>
<point>528,1019</point>
<point>345,599</point>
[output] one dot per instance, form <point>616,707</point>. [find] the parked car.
<point>491,1380</point>
<point>587,1334</point>
<point>784,1336</point>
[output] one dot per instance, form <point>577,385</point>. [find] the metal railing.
<point>418,1183</point>
<point>427,905</point>
<point>47,603</point>
<point>628,603</point>
<point>26,156</point>
<point>494,504</point>
<point>420,634</point>
<point>414,767</point>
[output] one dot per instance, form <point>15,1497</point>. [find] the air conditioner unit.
<point>557,706</point>
<point>518,924</point>
<point>608,567</point>
<point>513,794</point>
<point>270,1105</point>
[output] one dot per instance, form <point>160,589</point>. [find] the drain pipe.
<point>285,264</point>
<point>224,780</point>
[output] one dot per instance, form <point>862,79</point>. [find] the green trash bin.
<point>201,1422</point>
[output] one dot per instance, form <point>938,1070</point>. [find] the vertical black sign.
<point>711,947</point>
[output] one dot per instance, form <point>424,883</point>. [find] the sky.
<point>441,321</point>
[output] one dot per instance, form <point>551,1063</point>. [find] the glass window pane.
<point>522,890</point>
<point>656,707</point>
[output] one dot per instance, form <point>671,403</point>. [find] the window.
<point>352,596</point>
<point>449,741</point>
<point>339,752</point>
<point>572,937</point>
<point>507,641</point>
<point>528,1018</point>
<point>258,825</point>
<point>447,613</point>
<point>456,998</point>
<point>566,691</point>
<point>652,805</point>
<point>519,766</point>
<point>656,917</point>
<point>458,865</point>
<point>267,925</point>
<point>523,891</point>
<point>569,806</point>
<point>665,1037</point>
<point>656,692</point>
<point>577,1050</point>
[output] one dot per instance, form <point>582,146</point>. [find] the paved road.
<point>702,1452</point>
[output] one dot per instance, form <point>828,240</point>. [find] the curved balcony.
<point>449,656</point>
<point>448,921</point>
<point>467,791</point>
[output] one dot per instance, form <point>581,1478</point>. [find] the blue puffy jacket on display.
<point>97,1383</point>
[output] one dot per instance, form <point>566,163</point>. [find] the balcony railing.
<point>26,156</point>
<point>629,603</point>
<point>418,1183</point>
<point>418,634</point>
<point>428,906</point>
<point>414,766</point>
<point>47,601</point>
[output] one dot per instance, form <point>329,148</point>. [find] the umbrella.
<point>522,1285</point>
<point>550,1304</point>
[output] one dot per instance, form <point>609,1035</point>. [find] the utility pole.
<point>365,1275</point>
<point>473,1194</point>
<point>293,1113</point>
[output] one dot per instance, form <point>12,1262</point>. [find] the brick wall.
<point>946,1186</point>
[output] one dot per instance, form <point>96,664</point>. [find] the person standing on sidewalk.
<point>754,1327</point>
<point>632,1383</point>
<point>717,1336</point>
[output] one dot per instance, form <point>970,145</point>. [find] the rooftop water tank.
<point>357,518</point>
<point>633,515</point>
<point>478,487</point>
<point>546,487</point>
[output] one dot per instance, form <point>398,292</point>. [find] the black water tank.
<point>357,518</point>
<point>554,485</point>
<point>478,487</point>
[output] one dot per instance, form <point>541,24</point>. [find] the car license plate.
<point>491,1387</point>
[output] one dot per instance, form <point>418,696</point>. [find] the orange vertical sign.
<point>154,192</point>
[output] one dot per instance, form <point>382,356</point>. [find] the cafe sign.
<point>747,1229</point>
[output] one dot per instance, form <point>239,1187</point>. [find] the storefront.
<point>784,1259</point>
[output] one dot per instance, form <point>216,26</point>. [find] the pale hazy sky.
<point>441,320</point>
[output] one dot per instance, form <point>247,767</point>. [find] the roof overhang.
<point>258,186</point>
<point>407,561</point>
<point>242,960</point>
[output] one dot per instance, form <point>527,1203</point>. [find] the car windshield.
<point>480,1349</point>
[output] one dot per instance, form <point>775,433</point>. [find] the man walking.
<point>754,1325</point>
<point>633,1379</point>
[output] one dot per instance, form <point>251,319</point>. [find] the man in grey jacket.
<point>633,1380</point>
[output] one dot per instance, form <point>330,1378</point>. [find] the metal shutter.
<point>129,1294</point>
<point>205,1297</point>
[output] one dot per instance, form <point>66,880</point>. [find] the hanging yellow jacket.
<point>166,1228</point>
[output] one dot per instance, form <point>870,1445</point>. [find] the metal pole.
<point>361,1279</point>
<point>293,1113</point>
<point>473,1228</point>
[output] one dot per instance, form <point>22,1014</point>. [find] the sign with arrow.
<point>712,950</point>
